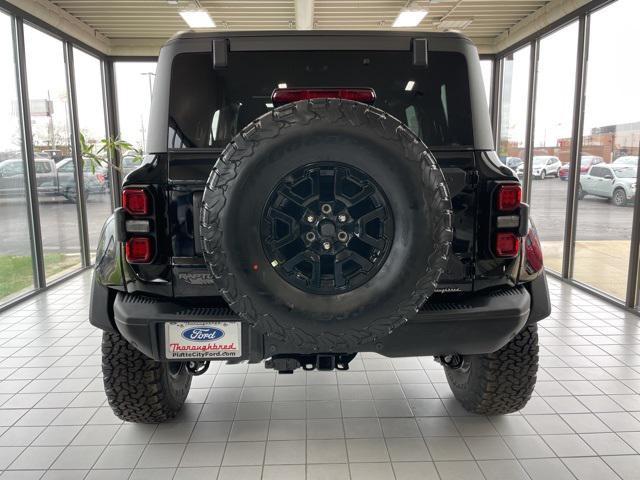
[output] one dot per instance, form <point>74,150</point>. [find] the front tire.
<point>138,388</point>
<point>501,382</point>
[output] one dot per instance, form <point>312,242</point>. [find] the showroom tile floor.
<point>383,419</point>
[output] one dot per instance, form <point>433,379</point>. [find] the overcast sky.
<point>613,91</point>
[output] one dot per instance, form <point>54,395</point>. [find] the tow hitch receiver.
<point>286,363</point>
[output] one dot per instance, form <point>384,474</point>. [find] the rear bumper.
<point>461,323</point>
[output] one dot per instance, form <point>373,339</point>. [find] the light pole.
<point>149,75</point>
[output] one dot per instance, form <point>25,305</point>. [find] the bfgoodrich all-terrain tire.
<point>326,225</point>
<point>500,382</point>
<point>138,388</point>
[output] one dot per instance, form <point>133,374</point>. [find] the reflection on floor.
<point>602,264</point>
<point>384,419</point>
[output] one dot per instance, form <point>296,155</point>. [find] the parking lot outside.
<point>602,241</point>
<point>60,237</point>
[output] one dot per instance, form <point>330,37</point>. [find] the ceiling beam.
<point>65,22</point>
<point>304,14</point>
<point>541,18</point>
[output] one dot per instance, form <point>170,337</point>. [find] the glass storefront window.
<point>91,121</point>
<point>16,263</point>
<point>55,170</point>
<point>610,148</point>
<point>487,76</point>
<point>552,140</point>
<point>513,108</point>
<point>134,86</point>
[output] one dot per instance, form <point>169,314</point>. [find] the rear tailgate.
<point>186,186</point>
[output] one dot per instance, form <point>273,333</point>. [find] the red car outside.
<point>586,162</point>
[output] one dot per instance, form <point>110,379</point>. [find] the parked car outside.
<point>94,182</point>
<point>130,163</point>
<point>586,162</point>
<point>617,183</point>
<point>51,179</point>
<point>626,160</point>
<point>543,166</point>
<point>511,161</point>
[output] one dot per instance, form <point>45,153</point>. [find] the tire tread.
<point>134,383</point>
<point>501,382</point>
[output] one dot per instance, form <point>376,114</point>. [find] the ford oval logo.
<point>203,334</point>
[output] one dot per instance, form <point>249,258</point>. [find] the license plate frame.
<point>202,340</point>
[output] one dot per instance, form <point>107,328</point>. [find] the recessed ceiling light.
<point>410,16</point>
<point>197,18</point>
<point>410,85</point>
<point>282,85</point>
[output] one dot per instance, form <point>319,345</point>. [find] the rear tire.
<point>580,192</point>
<point>619,197</point>
<point>138,388</point>
<point>543,175</point>
<point>500,382</point>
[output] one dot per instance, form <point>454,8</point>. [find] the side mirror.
<point>608,177</point>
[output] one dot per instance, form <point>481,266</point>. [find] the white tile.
<point>459,470</point>
<point>415,471</point>
<point>244,453</point>
<point>568,445</point>
<point>488,448</point>
<point>448,448</point>
<point>546,469</point>
<point>285,452</point>
<point>371,471</point>
<point>203,455</point>
<point>590,468</point>
<point>407,450</point>
<point>607,444</point>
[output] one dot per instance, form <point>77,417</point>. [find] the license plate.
<point>205,341</point>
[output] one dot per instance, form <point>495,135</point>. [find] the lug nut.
<point>342,236</point>
<point>342,218</point>
<point>311,218</point>
<point>326,246</point>
<point>326,208</point>
<point>311,236</point>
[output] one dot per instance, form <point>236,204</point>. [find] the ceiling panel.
<point>157,19</point>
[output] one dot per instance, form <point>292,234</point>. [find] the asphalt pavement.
<point>59,220</point>
<point>598,218</point>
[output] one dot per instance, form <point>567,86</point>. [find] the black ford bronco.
<point>308,196</point>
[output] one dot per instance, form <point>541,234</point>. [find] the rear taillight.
<point>533,251</point>
<point>139,250</point>
<point>509,197</point>
<point>282,96</point>
<point>101,178</point>
<point>507,244</point>
<point>136,201</point>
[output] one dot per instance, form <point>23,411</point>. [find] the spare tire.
<point>326,225</point>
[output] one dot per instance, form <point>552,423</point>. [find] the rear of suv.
<point>306,197</point>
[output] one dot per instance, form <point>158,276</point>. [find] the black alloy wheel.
<point>327,228</point>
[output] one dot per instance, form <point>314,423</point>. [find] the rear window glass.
<point>208,107</point>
